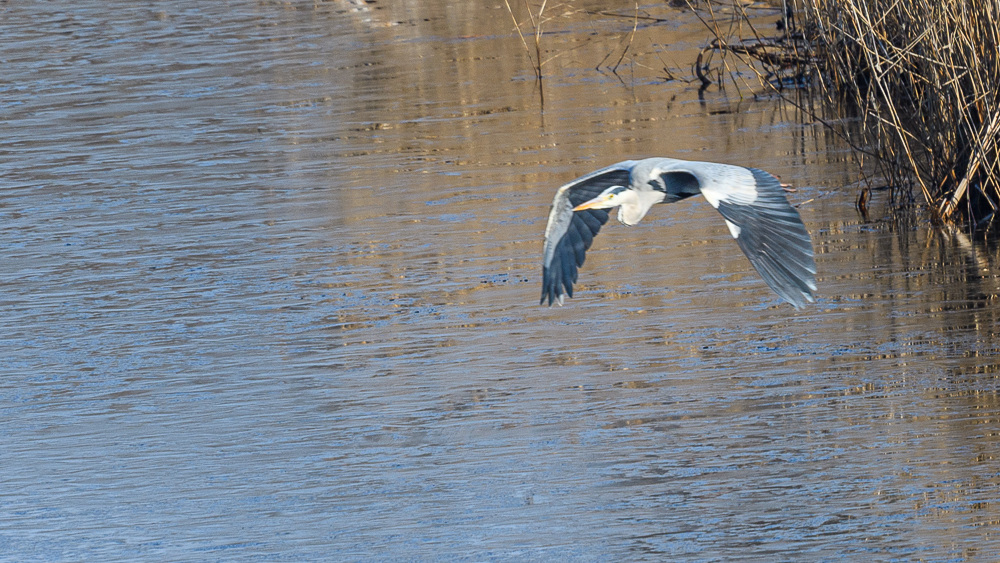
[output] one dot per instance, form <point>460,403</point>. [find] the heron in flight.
<point>752,203</point>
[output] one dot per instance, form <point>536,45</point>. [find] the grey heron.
<point>752,203</point>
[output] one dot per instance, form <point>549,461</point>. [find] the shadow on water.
<point>270,283</point>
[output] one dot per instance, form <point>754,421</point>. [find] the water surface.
<point>270,290</point>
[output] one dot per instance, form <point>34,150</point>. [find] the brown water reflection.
<point>270,289</point>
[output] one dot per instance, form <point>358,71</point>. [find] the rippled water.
<point>270,292</point>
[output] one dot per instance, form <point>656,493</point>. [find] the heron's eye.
<point>614,193</point>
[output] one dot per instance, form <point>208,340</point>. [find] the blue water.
<point>270,283</point>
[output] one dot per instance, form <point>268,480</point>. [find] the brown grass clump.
<point>927,75</point>
<point>924,75</point>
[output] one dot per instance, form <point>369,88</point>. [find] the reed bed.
<point>924,77</point>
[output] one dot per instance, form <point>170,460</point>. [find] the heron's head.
<point>611,197</point>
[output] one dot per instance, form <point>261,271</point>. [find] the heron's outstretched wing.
<point>569,234</point>
<point>767,228</point>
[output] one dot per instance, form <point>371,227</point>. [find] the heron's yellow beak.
<point>590,204</point>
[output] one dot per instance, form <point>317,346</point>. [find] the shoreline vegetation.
<point>921,78</point>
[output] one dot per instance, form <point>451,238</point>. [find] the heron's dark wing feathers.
<point>771,234</point>
<point>569,234</point>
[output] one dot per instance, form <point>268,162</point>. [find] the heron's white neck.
<point>635,205</point>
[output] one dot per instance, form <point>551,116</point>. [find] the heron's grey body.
<point>752,203</point>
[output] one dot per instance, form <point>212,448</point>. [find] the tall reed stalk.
<point>536,27</point>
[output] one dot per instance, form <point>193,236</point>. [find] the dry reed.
<point>924,77</point>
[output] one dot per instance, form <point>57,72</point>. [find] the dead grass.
<point>924,78</point>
